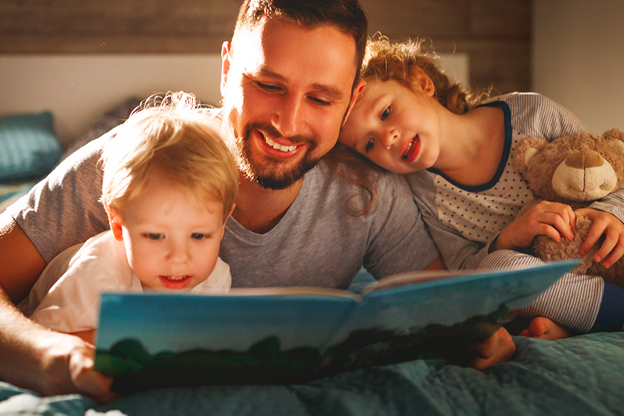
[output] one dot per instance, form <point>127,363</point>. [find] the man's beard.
<point>272,175</point>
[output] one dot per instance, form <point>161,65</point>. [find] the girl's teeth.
<point>278,146</point>
<point>409,146</point>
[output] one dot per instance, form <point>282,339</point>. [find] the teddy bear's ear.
<point>617,136</point>
<point>525,151</point>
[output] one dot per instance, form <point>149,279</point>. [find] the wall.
<point>78,89</point>
<point>578,58</point>
<point>79,57</point>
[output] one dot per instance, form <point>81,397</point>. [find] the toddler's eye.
<point>153,236</point>
<point>385,113</point>
<point>369,145</point>
<point>199,236</point>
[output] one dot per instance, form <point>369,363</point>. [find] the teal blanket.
<point>582,375</point>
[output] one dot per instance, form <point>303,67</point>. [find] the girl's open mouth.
<point>412,149</point>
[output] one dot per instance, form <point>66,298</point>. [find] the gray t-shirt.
<point>316,243</point>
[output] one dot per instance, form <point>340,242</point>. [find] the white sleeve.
<point>72,304</point>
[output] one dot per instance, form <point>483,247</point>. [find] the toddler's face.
<point>395,127</point>
<point>170,244</point>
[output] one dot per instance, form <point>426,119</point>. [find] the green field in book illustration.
<point>156,340</point>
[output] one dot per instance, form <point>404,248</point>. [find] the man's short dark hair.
<point>346,15</point>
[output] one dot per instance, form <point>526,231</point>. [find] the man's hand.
<point>55,363</point>
<point>612,228</point>
<point>551,219</point>
<point>496,349</point>
<point>47,362</point>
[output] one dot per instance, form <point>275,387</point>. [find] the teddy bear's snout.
<point>584,176</point>
<point>584,159</point>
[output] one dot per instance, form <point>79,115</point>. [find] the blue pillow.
<point>28,146</point>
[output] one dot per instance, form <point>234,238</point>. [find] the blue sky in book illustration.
<point>173,325</point>
<point>182,322</point>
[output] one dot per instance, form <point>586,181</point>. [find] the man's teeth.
<point>278,146</point>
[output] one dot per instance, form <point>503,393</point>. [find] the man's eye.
<point>267,87</point>
<point>369,145</point>
<point>153,236</point>
<point>199,236</point>
<point>320,102</point>
<point>385,113</point>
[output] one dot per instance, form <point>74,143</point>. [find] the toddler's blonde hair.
<point>176,137</point>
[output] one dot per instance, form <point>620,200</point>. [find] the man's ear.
<point>226,63</point>
<point>115,224</point>
<point>359,88</point>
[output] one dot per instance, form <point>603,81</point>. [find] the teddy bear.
<point>577,170</point>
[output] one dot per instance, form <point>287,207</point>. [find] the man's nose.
<point>289,117</point>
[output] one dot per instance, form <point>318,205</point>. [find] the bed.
<point>581,375</point>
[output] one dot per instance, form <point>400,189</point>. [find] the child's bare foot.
<point>544,328</point>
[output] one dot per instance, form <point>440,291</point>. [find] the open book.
<point>279,335</point>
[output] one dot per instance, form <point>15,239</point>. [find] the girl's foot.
<point>544,328</point>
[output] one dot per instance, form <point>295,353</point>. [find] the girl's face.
<point>394,126</point>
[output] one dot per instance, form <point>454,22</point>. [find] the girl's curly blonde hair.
<point>402,62</point>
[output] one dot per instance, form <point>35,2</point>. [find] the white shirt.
<point>66,297</point>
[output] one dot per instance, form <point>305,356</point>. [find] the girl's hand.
<point>612,228</point>
<point>551,219</point>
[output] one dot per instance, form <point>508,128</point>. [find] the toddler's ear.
<point>115,224</point>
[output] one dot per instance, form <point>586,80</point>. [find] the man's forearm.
<point>21,262</point>
<point>16,350</point>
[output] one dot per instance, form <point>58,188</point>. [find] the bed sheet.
<point>582,375</point>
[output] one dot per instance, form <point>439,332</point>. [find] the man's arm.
<point>21,262</point>
<point>32,356</point>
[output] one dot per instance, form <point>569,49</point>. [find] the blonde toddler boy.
<point>169,186</point>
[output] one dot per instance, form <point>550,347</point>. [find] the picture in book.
<point>279,335</point>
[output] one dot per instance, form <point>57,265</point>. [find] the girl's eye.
<point>385,113</point>
<point>369,145</point>
<point>153,236</point>
<point>199,236</point>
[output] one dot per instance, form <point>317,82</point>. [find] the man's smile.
<point>278,146</point>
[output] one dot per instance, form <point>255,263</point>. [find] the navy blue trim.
<point>504,158</point>
<point>611,314</point>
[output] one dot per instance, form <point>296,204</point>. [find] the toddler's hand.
<point>612,228</point>
<point>551,219</point>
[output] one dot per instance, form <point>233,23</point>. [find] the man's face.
<point>286,91</point>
